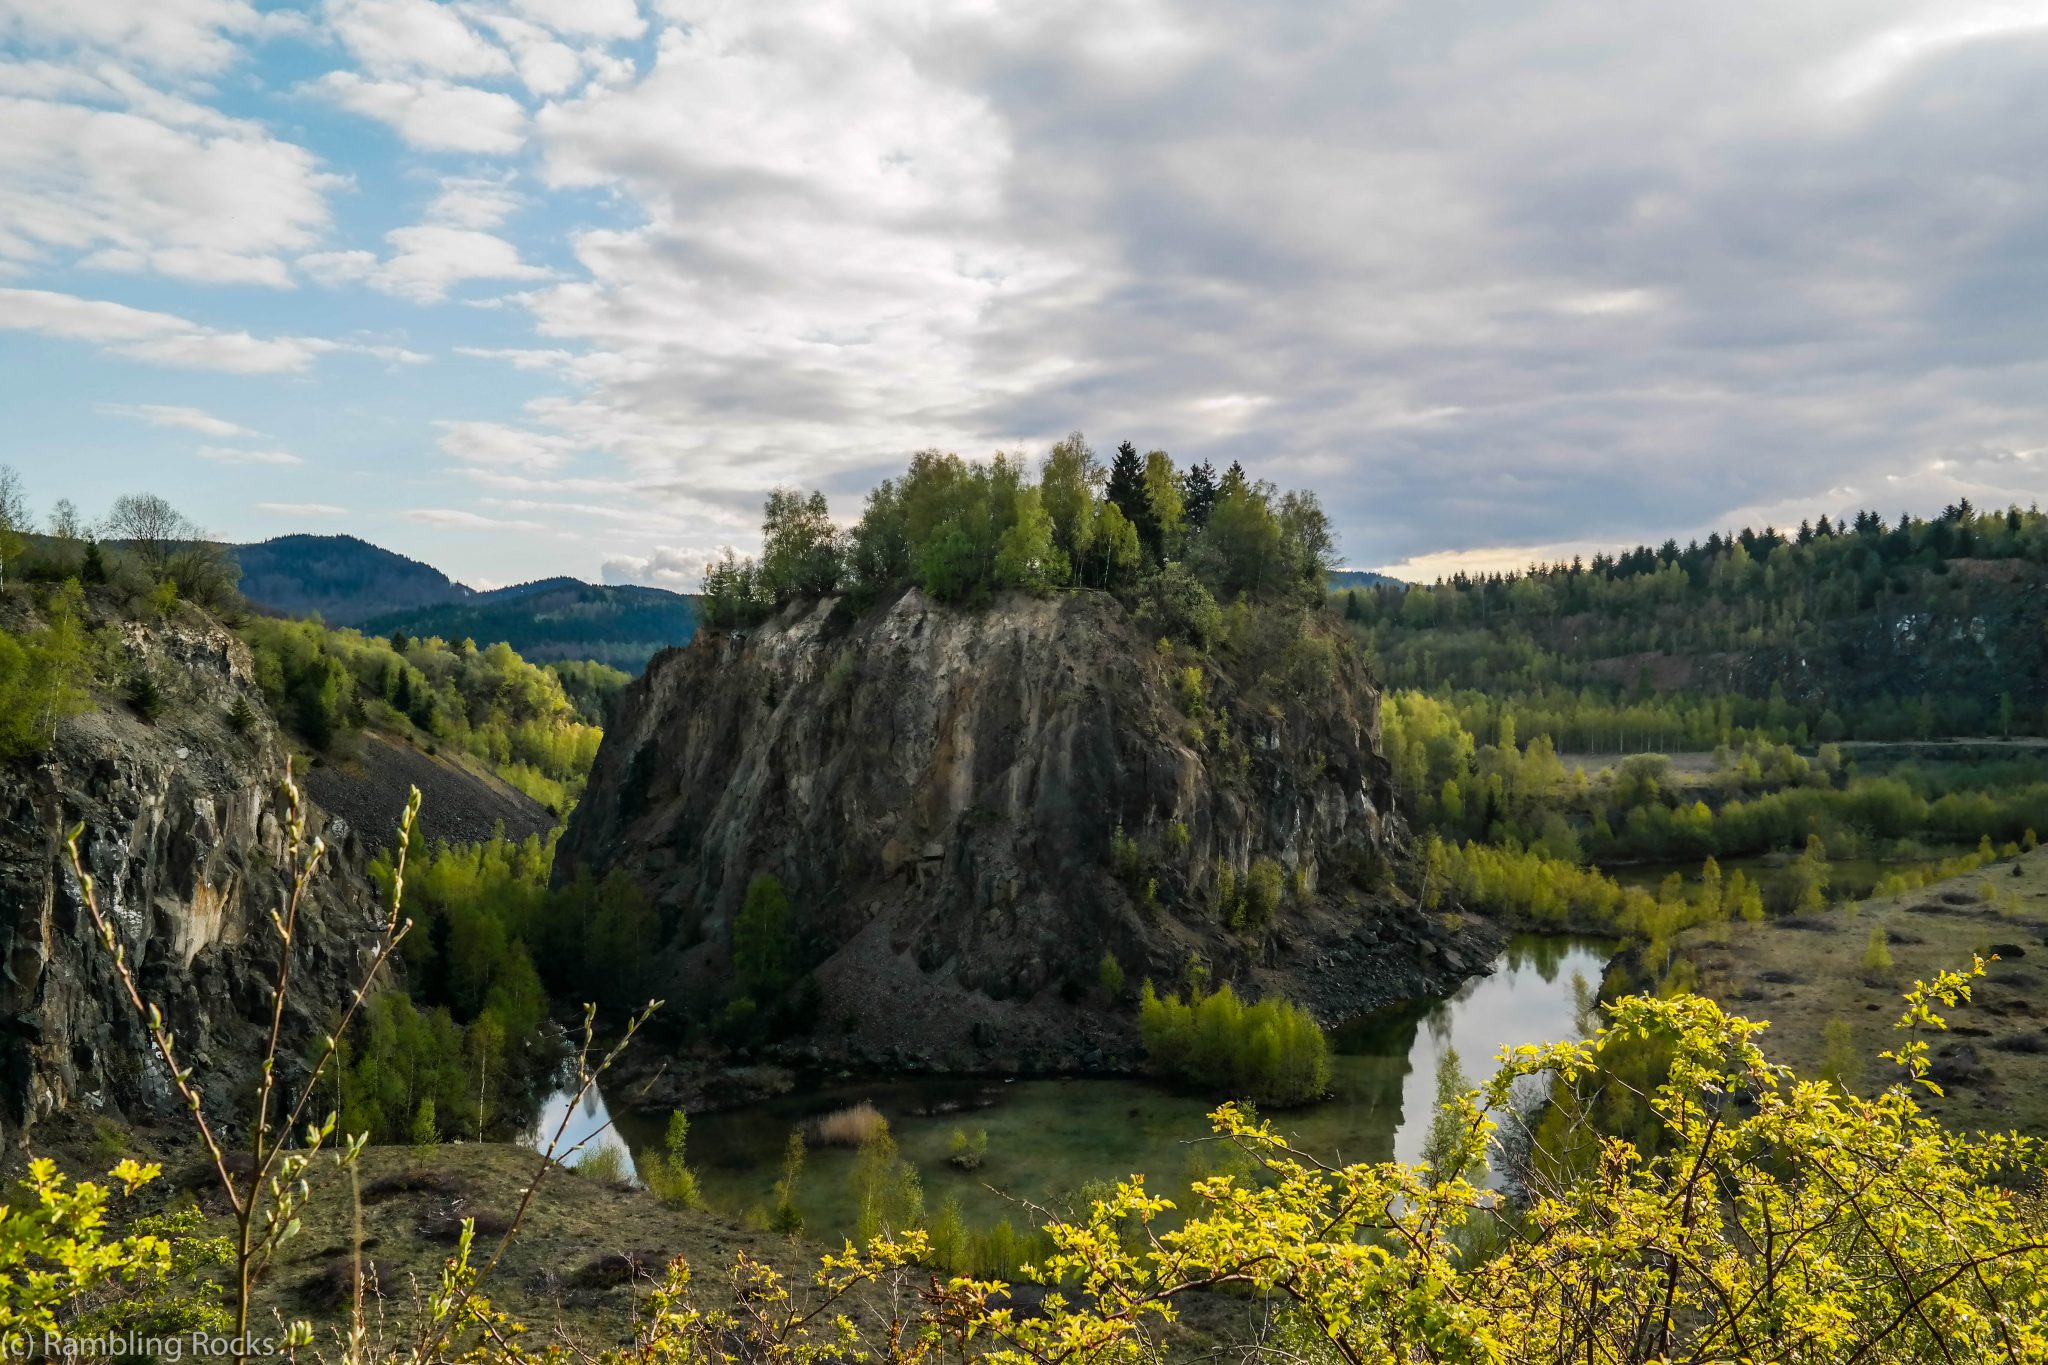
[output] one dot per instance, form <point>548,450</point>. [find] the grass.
<point>1818,980</point>
<point>848,1127</point>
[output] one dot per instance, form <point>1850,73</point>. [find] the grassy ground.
<point>1806,973</point>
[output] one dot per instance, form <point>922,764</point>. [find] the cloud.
<point>405,36</point>
<point>237,455</point>
<point>474,201</point>
<point>426,261</point>
<point>181,36</point>
<point>433,115</point>
<point>152,184</point>
<point>168,415</point>
<point>496,446</point>
<point>663,567</point>
<point>453,519</point>
<point>165,339</point>
<point>302,509</point>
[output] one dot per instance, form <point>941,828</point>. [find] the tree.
<point>1026,556</point>
<point>761,947</point>
<point>1198,495</point>
<point>14,520</point>
<point>800,553</point>
<point>1165,504</point>
<point>1446,1150</point>
<point>151,528</point>
<point>65,523</point>
<point>1066,490</point>
<point>1126,491</point>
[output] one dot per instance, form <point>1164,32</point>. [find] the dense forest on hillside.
<point>621,627</point>
<point>1858,630</point>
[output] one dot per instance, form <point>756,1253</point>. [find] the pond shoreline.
<point>1050,1135</point>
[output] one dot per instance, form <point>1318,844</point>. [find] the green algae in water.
<point>1050,1139</point>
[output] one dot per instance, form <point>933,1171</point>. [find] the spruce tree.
<point>1198,492</point>
<point>1126,491</point>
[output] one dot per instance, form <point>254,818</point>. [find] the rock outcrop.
<point>969,808</point>
<point>184,831</point>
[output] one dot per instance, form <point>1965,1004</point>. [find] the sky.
<point>528,287</point>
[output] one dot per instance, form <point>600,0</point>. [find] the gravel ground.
<point>456,804</point>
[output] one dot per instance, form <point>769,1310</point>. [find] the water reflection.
<point>589,1129</point>
<point>1048,1138</point>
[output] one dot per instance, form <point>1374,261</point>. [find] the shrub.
<point>1109,973</point>
<point>1262,887</point>
<point>848,1127</point>
<point>668,1175</point>
<point>787,1218</point>
<point>966,1152</point>
<point>605,1165</point>
<point>1877,954</point>
<point>1272,1052</point>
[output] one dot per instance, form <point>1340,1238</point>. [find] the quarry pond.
<point>1048,1138</point>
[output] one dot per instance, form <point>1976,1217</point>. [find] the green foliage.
<point>1272,1052</point>
<point>1877,953</point>
<point>787,1218</point>
<point>45,675</point>
<point>1109,974</point>
<point>764,939</point>
<point>1447,1148</point>
<point>516,716</point>
<point>54,1246</point>
<point>964,530</point>
<point>967,1153</point>
<point>1263,883</point>
<point>887,1190</point>
<point>426,1128</point>
<point>1841,1063</point>
<point>605,1165</point>
<point>668,1174</point>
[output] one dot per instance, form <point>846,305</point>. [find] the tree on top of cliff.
<point>963,530</point>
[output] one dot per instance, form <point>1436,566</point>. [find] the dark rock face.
<point>944,792</point>
<point>184,830</point>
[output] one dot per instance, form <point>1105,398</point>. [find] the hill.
<point>1342,579</point>
<point>347,581</point>
<point>1857,630</point>
<point>558,619</point>
<point>342,578</point>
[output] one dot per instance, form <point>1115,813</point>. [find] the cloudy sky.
<point>524,287</point>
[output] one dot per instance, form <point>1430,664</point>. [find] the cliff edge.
<point>970,808</point>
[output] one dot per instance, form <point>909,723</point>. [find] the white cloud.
<point>184,36</point>
<point>166,339</point>
<point>302,509</point>
<point>426,261</point>
<point>455,519</point>
<point>664,567</point>
<point>607,19</point>
<point>156,186</point>
<point>404,36</point>
<point>474,201</point>
<point>184,418</point>
<point>237,455</point>
<point>433,115</point>
<point>494,445</point>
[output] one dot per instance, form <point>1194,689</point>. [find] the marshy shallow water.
<point>1048,1138</point>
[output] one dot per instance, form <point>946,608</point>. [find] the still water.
<point>1048,1138</point>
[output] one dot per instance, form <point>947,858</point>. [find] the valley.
<point>977,854</point>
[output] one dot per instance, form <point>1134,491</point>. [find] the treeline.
<point>327,684</point>
<point>1757,799</point>
<point>1576,640</point>
<point>458,1053</point>
<point>1776,581</point>
<point>962,530</point>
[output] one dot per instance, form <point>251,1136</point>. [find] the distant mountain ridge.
<point>345,579</point>
<point>349,582</point>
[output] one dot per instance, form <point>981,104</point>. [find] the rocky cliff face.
<point>184,835</point>
<point>970,808</point>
